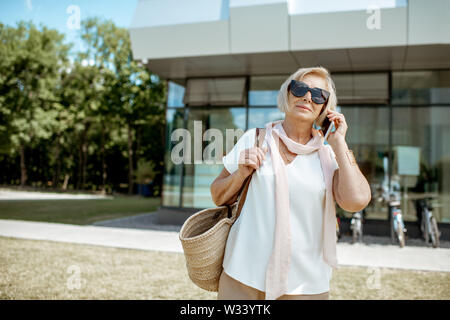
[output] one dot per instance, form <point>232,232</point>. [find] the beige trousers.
<point>231,289</point>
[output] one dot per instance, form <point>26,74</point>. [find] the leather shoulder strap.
<point>261,134</point>
<point>259,139</point>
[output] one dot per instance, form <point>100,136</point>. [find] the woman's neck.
<point>300,132</point>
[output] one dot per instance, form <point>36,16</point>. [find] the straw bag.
<point>204,236</point>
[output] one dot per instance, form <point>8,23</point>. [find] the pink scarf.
<point>278,267</point>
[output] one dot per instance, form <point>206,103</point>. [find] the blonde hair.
<point>282,99</point>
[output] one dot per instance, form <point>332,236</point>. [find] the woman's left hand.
<point>341,127</point>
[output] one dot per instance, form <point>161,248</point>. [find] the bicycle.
<point>356,226</point>
<point>396,220</point>
<point>428,223</point>
<point>389,193</point>
<point>392,199</point>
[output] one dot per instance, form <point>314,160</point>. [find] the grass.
<point>80,212</point>
<point>31,269</point>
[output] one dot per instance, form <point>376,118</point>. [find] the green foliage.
<point>30,62</point>
<point>81,122</point>
<point>145,172</point>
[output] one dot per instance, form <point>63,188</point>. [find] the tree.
<point>87,118</point>
<point>131,93</point>
<point>81,92</point>
<point>30,61</point>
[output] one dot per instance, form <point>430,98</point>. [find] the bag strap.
<point>259,139</point>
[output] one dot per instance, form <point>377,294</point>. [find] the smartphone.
<point>327,127</point>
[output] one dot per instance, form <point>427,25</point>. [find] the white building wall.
<point>240,27</point>
<point>429,22</point>
<point>349,29</point>
<point>261,28</point>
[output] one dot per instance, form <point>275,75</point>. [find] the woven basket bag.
<point>204,236</point>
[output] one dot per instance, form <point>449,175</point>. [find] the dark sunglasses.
<point>299,89</point>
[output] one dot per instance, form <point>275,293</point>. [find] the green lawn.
<point>31,269</point>
<point>81,212</point>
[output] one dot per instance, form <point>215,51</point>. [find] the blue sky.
<point>53,13</point>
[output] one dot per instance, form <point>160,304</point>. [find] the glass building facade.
<point>390,114</point>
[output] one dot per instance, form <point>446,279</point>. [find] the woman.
<point>283,245</point>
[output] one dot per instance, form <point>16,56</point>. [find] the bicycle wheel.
<point>426,225</point>
<point>392,229</point>
<point>400,235</point>
<point>361,234</point>
<point>434,234</point>
<point>355,235</point>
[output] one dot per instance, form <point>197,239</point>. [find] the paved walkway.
<point>92,235</point>
<point>11,195</point>
<point>370,255</point>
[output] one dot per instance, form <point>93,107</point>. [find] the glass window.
<point>213,131</point>
<point>368,137</point>
<point>215,92</point>
<point>362,88</point>
<point>421,87</point>
<point>264,90</point>
<point>427,130</point>
<point>258,117</point>
<point>175,95</point>
<point>172,171</point>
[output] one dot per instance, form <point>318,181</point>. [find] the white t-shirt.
<point>250,240</point>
